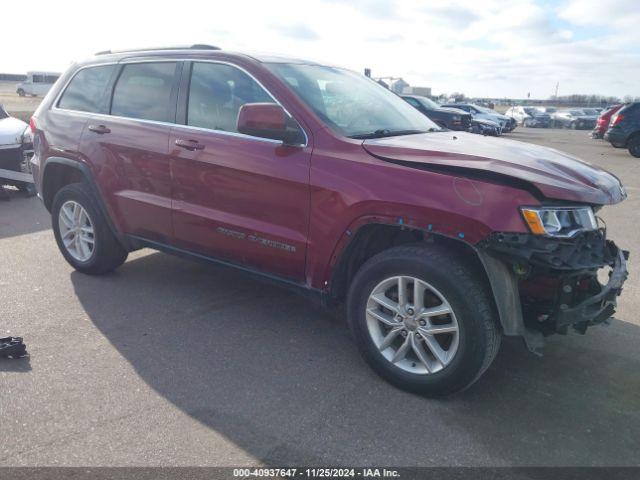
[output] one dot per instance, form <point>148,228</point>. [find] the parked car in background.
<point>451,118</point>
<point>624,131</point>
<point>602,124</point>
<point>529,117</point>
<point>16,146</point>
<point>485,127</point>
<point>574,118</point>
<point>484,113</point>
<point>437,243</point>
<point>547,110</point>
<point>37,83</point>
<point>592,112</point>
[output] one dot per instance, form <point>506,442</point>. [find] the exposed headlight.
<point>559,221</point>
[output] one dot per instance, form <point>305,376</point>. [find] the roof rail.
<point>196,46</point>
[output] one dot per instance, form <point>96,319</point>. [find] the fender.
<point>84,169</point>
<point>502,280</point>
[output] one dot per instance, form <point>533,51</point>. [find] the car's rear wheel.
<point>634,145</point>
<point>423,320</point>
<point>82,233</point>
<point>20,92</point>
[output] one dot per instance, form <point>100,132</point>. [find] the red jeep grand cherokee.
<point>437,242</point>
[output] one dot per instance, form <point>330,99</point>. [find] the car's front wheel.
<point>20,92</point>
<point>423,320</point>
<point>82,232</point>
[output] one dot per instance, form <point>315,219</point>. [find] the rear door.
<point>128,148</point>
<point>236,197</point>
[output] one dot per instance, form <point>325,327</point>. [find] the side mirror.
<point>266,120</point>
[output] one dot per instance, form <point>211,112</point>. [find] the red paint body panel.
<point>342,199</point>
<point>557,175</point>
<point>242,199</point>
<point>131,168</point>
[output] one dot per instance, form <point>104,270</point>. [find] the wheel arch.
<point>375,237</point>
<point>59,172</point>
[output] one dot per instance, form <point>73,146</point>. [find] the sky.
<point>486,48</point>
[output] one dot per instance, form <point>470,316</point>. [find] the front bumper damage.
<point>545,285</point>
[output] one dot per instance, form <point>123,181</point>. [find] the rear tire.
<point>105,253</point>
<point>634,145</point>
<point>450,282</point>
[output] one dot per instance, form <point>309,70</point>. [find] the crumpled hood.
<point>11,130</point>
<point>555,174</point>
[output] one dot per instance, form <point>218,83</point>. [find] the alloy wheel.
<point>76,231</point>
<point>412,325</point>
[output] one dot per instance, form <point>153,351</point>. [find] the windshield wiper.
<point>385,132</point>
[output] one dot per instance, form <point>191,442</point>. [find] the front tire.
<point>423,320</point>
<point>82,233</point>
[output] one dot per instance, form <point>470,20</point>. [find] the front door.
<point>235,197</point>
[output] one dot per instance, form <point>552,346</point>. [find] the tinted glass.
<point>412,101</point>
<point>86,92</point>
<point>427,102</point>
<point>143,90</point>
<point>217,92</point>
<point>351,103</point>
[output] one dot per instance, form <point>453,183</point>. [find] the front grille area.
<point>10,158</point>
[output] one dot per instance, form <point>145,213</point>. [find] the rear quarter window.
<point>86,91</point>
<point>143,91</point>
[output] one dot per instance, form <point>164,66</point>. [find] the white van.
<point>37,83</point>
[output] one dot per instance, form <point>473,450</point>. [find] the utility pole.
<point>557,86</point>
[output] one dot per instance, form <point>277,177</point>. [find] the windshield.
<point>484,109</point>
<point>352,104</point>
<point>427,102</point>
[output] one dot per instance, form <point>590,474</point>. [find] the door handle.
<point>190,145</point>
<point>100,129</point>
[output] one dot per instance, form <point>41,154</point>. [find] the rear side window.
<point>86,92</point>
<point>143,91</point>
<point>217,92</point>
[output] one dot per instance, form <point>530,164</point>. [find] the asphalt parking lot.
<point>168,362</point>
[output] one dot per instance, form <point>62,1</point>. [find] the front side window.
<point>412,101</point>
<point>352,104</point>
<point>216,93</point>
<point>86,92</point>
<point>143,91</point>
<point>428,103</point>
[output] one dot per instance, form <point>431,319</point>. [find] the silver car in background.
<point>575,118</point>
<point>16,147</point>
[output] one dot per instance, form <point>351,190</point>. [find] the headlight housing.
<point>559,221</point>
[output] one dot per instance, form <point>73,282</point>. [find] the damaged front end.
<point>544,284</point>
